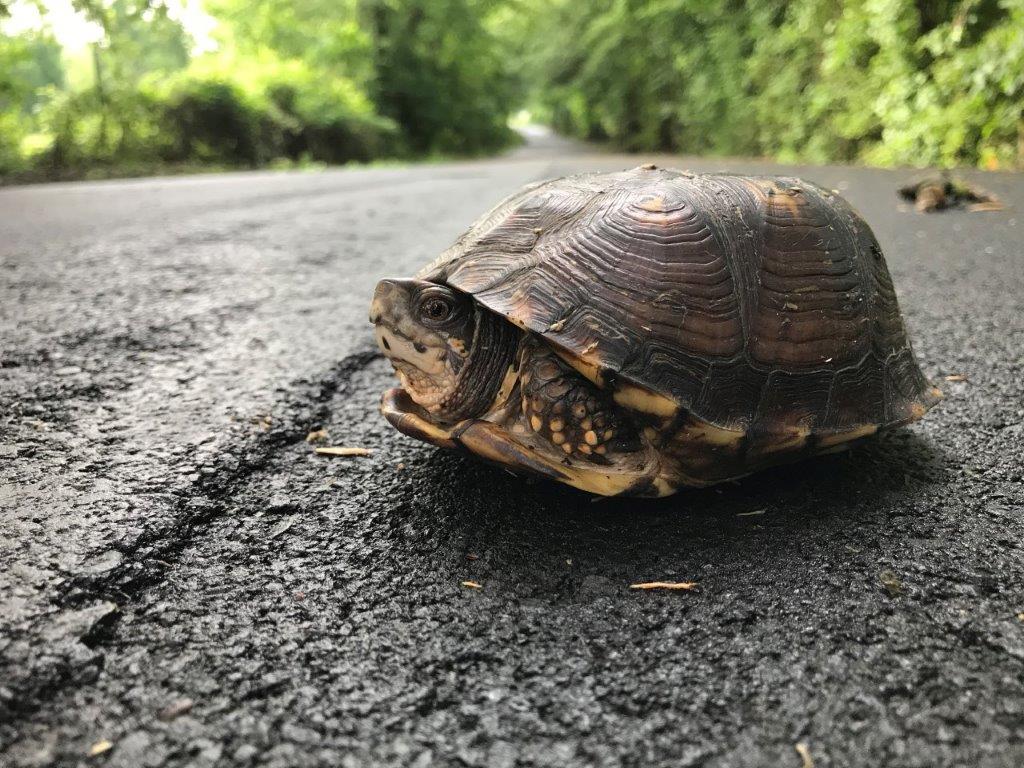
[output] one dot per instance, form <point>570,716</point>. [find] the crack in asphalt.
<point>200,503</point>
<point>146,563</point>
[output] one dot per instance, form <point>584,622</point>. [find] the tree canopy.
<point>918,82</point>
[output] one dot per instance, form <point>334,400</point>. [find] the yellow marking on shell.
<point>591,437</point>
<point>790,199</point>
<point>608,434</point>
<point>557,438</point>
<point>708,434</point>
<point>838,438</point>
<point>586,423</point>
<point>601,449</point>
<point>589,366</point>
<point>644,400</point>
<point>519,429</point>
<point>663,487</point>
<point>917,410</point>
<point>654,205</point>
<point>758,191</point>
<point>557,425</point>
<point>579,410</point>
<point>584,448</point>
<point>536,423</point>
<point>650,433</point>
<point>567,447</point>
<point>786,441</point>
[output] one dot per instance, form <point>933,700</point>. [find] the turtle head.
<point>426,330</point>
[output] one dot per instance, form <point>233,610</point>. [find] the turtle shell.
<point>754,303</point>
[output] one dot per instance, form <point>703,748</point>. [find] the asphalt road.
<point>183,582</point>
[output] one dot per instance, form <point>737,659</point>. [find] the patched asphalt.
<point>184,582</point>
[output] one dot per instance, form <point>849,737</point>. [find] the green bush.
<point>210,120</point>
<point>330,122</point>
<point>881,81</point>
<point>215,121</point>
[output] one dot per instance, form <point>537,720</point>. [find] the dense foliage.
<point>879,81</point>
<point>319,80</point>
<point>882,81</point>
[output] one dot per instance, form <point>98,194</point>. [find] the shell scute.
<point>754,304</point>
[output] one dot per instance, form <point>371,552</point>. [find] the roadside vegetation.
<point>885,82</point>
<point>316,81</point>
<point>888,82</point>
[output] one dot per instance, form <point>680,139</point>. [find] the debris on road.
<point>751,513</point>
<point>335,450</point>
<point>282,526</point>
<point>176,709</point>
<point>472,584</point>
<point>956,377</point>
<point>891,582</point>
<point>317,436</point>
<point>687,585</point>
<point>944,192</point>
<point>805,754</point>
<point>100,747</point>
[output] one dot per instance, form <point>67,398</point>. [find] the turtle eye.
<point>437,307</point>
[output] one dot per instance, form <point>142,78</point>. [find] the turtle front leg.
<point>563,407</point>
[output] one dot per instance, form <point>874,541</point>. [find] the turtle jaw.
<point>492,442</point>
<point>410,419</point>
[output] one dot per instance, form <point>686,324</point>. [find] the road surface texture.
<point>183,582</point>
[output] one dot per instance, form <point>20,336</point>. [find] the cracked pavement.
<point>183,582</point>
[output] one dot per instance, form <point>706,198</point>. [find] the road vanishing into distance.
<point>183,582</point>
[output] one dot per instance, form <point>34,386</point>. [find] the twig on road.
<point>687,585</point>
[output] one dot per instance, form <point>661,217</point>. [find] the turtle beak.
<point>391,299</point>
<point>384,297</point>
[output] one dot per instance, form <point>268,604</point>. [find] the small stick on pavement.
<point>956,377</point>
<point>176,709</point>
<point>664,585</point>
<point>472,584</point>
<point>317,436</point>
<point>805,754</point>
<point>100,747</point>
<point>337,450</point>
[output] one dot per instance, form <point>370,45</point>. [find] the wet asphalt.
<point>184,582</point>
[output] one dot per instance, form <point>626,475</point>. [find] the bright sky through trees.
<point>74,31</point>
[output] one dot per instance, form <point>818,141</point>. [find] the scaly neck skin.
<point>494,350</point>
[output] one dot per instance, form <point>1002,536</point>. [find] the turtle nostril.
<point>384,341</point>
<point>419,347</point>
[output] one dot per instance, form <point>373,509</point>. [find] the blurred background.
<point>93,88</point>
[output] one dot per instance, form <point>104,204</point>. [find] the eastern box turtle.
<point>632,333</point>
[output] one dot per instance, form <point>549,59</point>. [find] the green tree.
<point>441,73</point>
